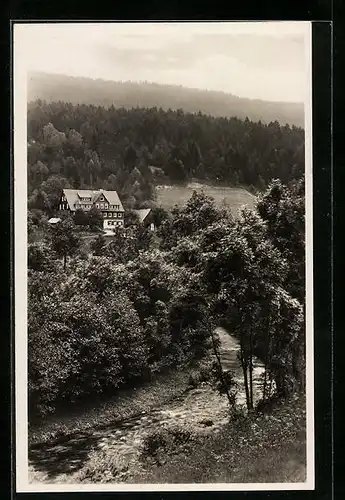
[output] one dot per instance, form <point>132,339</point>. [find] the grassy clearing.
<point>233,198</point>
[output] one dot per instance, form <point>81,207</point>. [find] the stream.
<point>201,408</point>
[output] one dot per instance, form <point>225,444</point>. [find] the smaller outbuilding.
<point>54,220</point>
<point>145,217</point>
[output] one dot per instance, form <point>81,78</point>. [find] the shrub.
<point>104,467</point>
<point>203,373</point>
<point>165,440</point>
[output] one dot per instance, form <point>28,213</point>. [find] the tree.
<point>124,246</point>
<point>53,187</point>
<point>95,218</point>
<point>159,215</point>
<point>127,337</point>
<point>64,240</point>
<point>81,218</point>
<point>131,218</point>
<point>157,337</point>
<point>199,212</point>
<point>40,257</point>
<point>283,210</point>
<point>38,171</point>
<point>181,145</point>
<point>40,201</point>
<point>130,158</point>
<point>52,136</point>
<point>97,245</point>
<point>244,274</point>
<point>176,170</point>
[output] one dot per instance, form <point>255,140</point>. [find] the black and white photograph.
<point>163,256</point>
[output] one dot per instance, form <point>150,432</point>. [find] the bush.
<point>203,373</point>
<point>103,467</point>
<point>165,440</point>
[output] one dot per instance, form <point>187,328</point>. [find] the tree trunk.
<point>267,353</point>
<point>244,365</point>
<point>251,371</point>
<point>64,261</point>
<point>215,350</point>
<point>264,389</point>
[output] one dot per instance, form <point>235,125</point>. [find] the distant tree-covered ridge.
<point>81,90</point>
<point>130,151</point>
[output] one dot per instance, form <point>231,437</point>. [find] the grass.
<point>261,448</point>
<point>127,404</point>
<point>231,197</point>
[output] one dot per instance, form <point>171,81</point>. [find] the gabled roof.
<point>143,213</point>
<point>113,198</point>
<point>74,195</point>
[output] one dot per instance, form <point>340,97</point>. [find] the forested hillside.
<point>133,150</point>
<point>109,318</point>
<point>130,94</point>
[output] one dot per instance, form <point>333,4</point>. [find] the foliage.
<point>199,212</point>
<point>40,258</point>
<point>95,219</point>
<point>283,210</point>
<point>75,146</point>
<point>142,304</point>
<point>165,440</point>
<point>81,218</point>
<point>64,239</point>
<point>131,218</point>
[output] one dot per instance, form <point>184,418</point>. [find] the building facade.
<point>145,218</point>
<point>107,202</point>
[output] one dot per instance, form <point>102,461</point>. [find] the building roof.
<point>113,198</point>
<point>74,195</point>
<point>143,213</point>
<point>54,220</point>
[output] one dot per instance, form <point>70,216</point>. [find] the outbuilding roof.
<point>143,213</point>
<point>54,220</point>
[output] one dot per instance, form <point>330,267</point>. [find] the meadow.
<point>224,196</point>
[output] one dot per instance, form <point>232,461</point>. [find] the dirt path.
<point>201,409</point>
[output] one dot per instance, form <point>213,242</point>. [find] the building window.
<point>105,205</point>
<point>102,205</point>
<point>104,215</point>
<point>97,205</point>
<point>109,214</point>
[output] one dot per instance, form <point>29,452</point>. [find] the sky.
<point>255,60</point>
